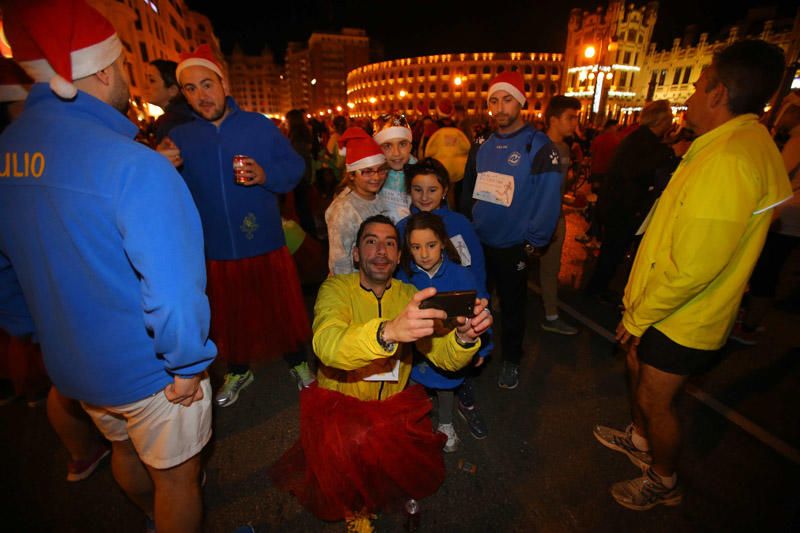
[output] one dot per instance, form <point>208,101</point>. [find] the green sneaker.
<point>302,375</point>
<point>646,492</point>
<point>234,383</point>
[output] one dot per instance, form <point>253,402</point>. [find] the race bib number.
<point>396,203</point>
<point>393,374</point>
<point>494,188</point>
<point>462,249</point>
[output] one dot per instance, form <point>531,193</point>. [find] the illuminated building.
<point>151,29</point>
<point>317,71</point>
<point>670,74</point>
<point>417,83</point>
<point>255,82</point>
<point>604,55</point>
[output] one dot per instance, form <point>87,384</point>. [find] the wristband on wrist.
<point>463,343</point>
<point>388,346</point>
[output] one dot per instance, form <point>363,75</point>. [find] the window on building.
<point>633,74</point>
<point>188,33</point>
<point>677,77</point>
<point>513,68</point>
<point>486,69</point>
<point>500,68</point>
<point>539,88</point>
<point>471,87</point>
<point>687,74</point>
<point>636,59</point>
<point>554,71</point>
<point>553,88</point>
<point>471,104</point>
<point>662,77</point>
<point>632,36</point>
<point>421,89</point>
<point>473,69</point>
<point>432,89</point>
<point>537,106</point>
<point>432,105</point>
<point>410,105</point>
<point>485,87</point>
<point>131,77</point>
<point>446,71</point>
<point>178,47</point>
<point>626,59</point>
<point>541,71</point>
<point>623,79</point>
<point>138,22</point>
<point>528,69</point>
<point>527,87</point>
<point>143,51</point>
<point>433,71</point>
<point>445,88</point>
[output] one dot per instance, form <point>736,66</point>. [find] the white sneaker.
<point>452,439</point>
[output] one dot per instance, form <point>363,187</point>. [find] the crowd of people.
<point>131,261</point>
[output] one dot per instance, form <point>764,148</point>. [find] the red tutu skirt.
<point>257,307</point>
<point>361,456</point>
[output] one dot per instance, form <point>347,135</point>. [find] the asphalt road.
<point>540,469</point>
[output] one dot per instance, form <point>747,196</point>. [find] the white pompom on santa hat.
<point>14,83</point>
<point>361,150</point>
<point>510,82</point>
<point>59,41</point>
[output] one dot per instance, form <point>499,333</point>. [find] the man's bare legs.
<point>655,398</point>
<point>132,476</point>
<point>73,426</point>
<point>178,497</point>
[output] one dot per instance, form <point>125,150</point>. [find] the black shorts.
<point>661,352</point>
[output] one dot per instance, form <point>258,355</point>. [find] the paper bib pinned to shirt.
<point>494,188</point>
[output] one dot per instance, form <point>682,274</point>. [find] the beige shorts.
<point>164,434</point>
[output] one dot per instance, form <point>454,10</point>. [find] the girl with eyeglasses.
<point>366,172</point>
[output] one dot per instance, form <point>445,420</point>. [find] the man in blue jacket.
<point>101,258</point>
<point>257,307</point>
<point>517,197</point>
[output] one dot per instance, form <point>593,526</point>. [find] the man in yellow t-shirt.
<point>692,267</point>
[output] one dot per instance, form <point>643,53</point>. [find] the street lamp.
<point>589,52</point>
<point>457,81</point>
<point>402,93</point>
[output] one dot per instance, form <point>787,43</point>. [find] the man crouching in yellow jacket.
<point>366,442</point>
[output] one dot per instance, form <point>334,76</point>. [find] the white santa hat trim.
<point>196,62</point>
<point>510,89</point>
<point>370,161</point>
<point>85,62</point>
<point>393,132</point>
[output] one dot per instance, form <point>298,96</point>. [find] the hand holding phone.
<point>454,303</point>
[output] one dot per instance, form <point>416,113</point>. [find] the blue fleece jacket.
<point>449,277</point>
<point>532,159</point>
<point>238,221</point>
<point>102,237</point>
<point>459,230</point>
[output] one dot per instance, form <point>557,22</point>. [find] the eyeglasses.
<point>370,173</point>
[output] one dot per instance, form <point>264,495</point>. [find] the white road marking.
<point>734,417</point>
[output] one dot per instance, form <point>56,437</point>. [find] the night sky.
<point>412,27</point>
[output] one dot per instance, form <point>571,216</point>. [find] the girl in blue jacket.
<point>427,183</point>
<point>429,259</point>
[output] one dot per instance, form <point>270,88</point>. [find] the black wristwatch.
<point>388,346</point>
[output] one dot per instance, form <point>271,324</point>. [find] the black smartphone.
<point>454,303</point>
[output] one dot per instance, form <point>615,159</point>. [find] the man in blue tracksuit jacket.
<point>517,197</point>
<point>101,258</point>
<point>257,307</point>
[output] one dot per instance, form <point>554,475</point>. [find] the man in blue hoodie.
<point>517,197</point>
<point>101,258</point>
<point>257,307</point>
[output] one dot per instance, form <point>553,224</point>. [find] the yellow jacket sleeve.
<point>446,353</point>
<point>709,224</point>
<point>337,341</point>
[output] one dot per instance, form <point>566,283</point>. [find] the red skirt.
<point>361,456</point>
<point>257,307</point>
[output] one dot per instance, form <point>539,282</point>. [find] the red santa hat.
<point>445,108</point>
<point>395,127</point>
<point>510,82</point>
<point>59,41</point>
<point>361,150</point>
<point>201,57</point>
<point>14,82</point>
